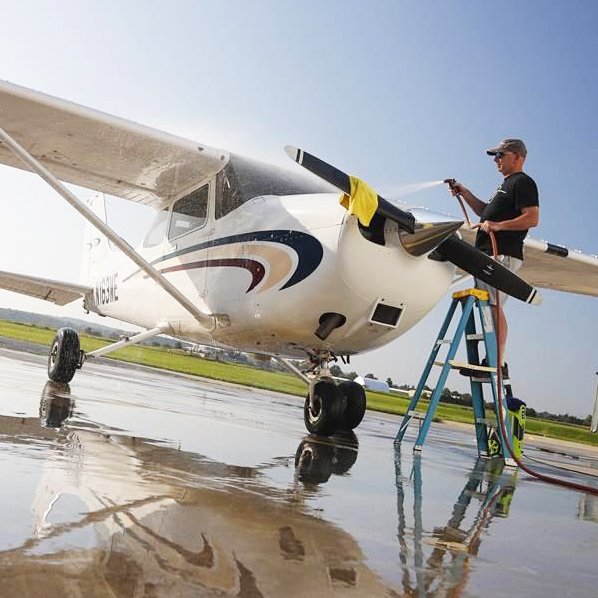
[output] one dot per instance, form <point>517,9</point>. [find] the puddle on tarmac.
<point>134,483</point>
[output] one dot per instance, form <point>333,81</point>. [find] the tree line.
<point>454,397</point>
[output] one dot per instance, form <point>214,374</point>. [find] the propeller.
<point>483,267</point>
<point>421,237</point>
<point>340,180</point>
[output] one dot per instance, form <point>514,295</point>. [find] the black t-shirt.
<point>517,191</point>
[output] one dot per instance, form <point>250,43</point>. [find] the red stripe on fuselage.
<point>257,270</point>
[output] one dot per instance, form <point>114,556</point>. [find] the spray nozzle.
<point>452,183</point>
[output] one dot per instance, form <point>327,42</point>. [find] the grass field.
<point>177,361</point>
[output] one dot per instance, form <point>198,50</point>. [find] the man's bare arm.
<point>528,219</point>
<point>476,204</point>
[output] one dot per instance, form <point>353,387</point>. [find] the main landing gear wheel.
<point>328,409</point>
<point>356,403</point>
<point>65,356</point>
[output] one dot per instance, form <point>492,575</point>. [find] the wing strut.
<point>209,321</point>
<point>161,328</point>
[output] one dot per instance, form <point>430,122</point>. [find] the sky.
<point>396,92</point>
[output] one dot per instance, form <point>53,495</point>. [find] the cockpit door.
<point>186,245</point>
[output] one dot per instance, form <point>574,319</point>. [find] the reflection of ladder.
<point>488,433</point>
<point>442,557</point>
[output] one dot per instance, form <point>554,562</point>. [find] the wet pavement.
<point>135,482</point>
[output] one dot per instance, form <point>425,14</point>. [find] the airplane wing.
<point>555,267</point>
<point>93,149</point>
<point>550,266</point>
<point>57,292</point>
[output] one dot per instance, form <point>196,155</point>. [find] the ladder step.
<point>474,337</point>
<point>458,365</point>
<point>444,341</point>
<point>491,423</point>
<point>416,414</point>
<point>471,366</point>
<point>505,381</point>
<point>475,494</point>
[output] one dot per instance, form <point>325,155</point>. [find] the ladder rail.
<point>435,398</point>
<point>477,394</point>
<point>427,369</point>
<point>492,355</point>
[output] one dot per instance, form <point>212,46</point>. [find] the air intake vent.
<point>387,315</point>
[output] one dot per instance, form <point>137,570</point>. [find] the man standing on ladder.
<point>510,213</point>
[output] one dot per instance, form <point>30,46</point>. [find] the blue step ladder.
<point>489,435</point>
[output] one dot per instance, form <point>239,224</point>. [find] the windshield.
<point>242,179</point>
<point>157,230</point>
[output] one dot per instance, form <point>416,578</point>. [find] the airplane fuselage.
<point>276,266</point>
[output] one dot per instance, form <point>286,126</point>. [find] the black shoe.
<point>466,372</point>
<point>504,370</point>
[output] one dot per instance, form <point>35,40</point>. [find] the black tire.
<point>56,405</point>
<point>329,407</point>
<point>64,356</point>
<point>356,404</point>
<point>316,459</point>
<point>346,447</point>
<point>313,461</point>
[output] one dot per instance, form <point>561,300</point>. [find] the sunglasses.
<point>501,155</point>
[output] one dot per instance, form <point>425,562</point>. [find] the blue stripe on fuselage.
<point>308,249</point>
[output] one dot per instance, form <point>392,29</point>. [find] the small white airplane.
<point>248,255</point>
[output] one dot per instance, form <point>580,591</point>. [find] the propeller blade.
<point>482,266</point>
<point>341,181</point>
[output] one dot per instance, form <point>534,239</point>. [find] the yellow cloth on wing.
<point>363,201</point>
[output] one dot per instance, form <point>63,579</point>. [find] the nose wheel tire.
<point>356,404</point>
<point>313,462</point>
<point>316,459</point>
<point>326,414</point>
<point>65,355</point>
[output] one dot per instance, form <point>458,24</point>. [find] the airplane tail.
<point>96,247</point>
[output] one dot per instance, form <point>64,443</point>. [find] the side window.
<point>157,230</point>
<point>189,212</point>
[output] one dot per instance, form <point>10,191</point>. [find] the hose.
<point>501,418</point>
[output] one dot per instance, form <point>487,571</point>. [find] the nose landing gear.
<point>324,408</point>
<point>329,406</point>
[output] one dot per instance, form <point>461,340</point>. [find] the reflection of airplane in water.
<point>492,486</point>
<point>122,516</point>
